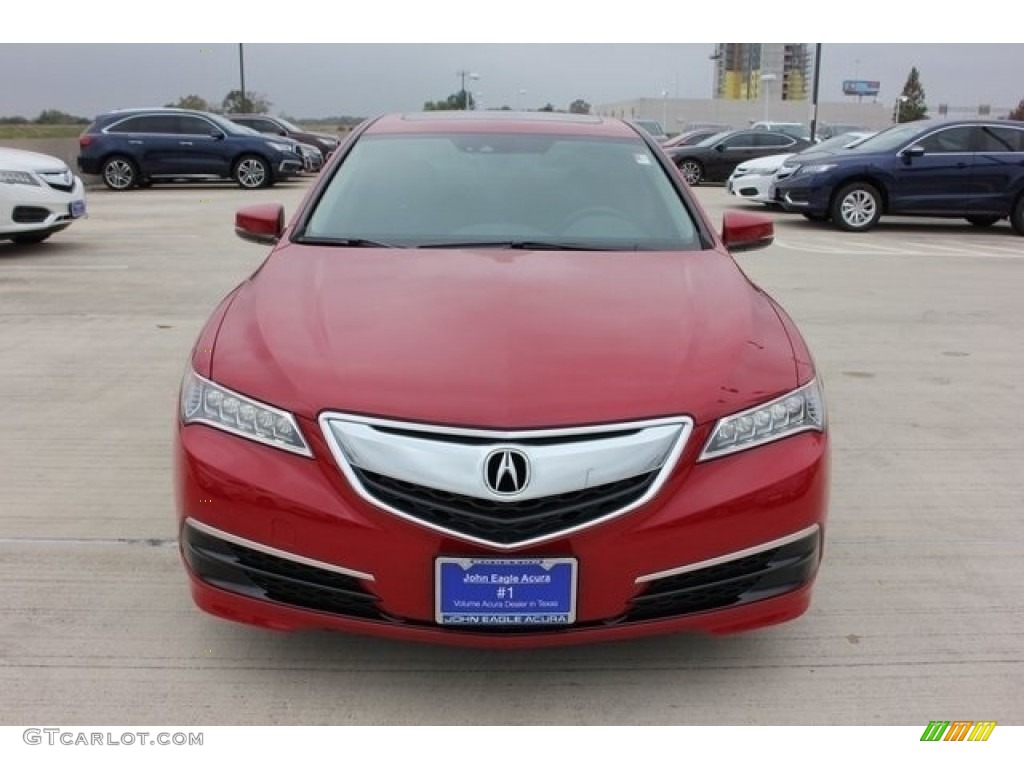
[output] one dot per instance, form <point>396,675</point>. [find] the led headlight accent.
<point>203,402</point>
<point>281,147</point>
<point>18,177</point>
<point>801,410</point>
<point>818,168</point>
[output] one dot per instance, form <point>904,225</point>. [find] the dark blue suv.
<point>136,147</point>
<point>972,169</point>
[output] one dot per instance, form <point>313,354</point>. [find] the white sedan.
<point>753,179</point>
<point>39,195</point>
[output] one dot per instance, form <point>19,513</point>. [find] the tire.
<point>119,173</point>
<point>30,238</point>
<point>692,171</point>
<point>815,216</point>
<point>856,207</point>
<point>1017,215</point>
<point>983,221</point>
<point>252,172</point>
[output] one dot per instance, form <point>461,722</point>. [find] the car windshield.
<point>710,141</point>
<point>530,191</point>
<point>290,126</point>
<point>892,138</point>
<point>843,141</point>
<point>229,126</point>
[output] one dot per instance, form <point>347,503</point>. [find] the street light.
<point>519,98</point>
<point>664,111</point>
<point>897,110</point>
<point>462,74</point>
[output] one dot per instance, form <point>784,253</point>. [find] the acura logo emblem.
<point>507,472</point>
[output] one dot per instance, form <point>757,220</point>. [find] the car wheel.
<point>252,172</point>
<point>983,221</point>
<point>1017,215</point>
<point>692,171</point>
<point>119,173</point>
<point>30,238</point>
<point>816,216</point>
<point>857,207</point>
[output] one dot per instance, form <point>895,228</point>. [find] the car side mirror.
<point>720,147</point>
<point>282,132</point>
<point>742,231</point>
<point>263,223</point>
<point>911,152</point>
<point>216,134</point>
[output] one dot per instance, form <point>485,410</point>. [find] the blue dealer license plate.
<point>523,592</point>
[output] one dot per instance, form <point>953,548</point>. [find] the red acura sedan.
<point>501,383</point>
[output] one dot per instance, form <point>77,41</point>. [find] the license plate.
<point>77,209</point>
<point>526,592</point>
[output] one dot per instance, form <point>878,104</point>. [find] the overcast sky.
<point>368,73</point>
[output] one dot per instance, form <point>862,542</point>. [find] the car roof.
<point>471,121</point>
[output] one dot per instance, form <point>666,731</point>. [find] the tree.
<point>191,102</point>
<point>251,102</point>
<point>456,101</point>
<point>911,105</point>
<point>1018,113</point>
<point>56,117</point>
<point>549,107</point>
<point>579,107</point>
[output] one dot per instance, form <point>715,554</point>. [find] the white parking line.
<point>967,249</point>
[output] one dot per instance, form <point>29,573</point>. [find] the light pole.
<point>664,111</point>
<point>766,78</point>
<point>462,74</point>
<point>241,75</point>
<point>897,110</point>
<point>519,98</point>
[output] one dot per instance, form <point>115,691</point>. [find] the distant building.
<point>756,71</point>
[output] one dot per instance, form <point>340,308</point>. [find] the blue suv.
<point>972,169</point>
<point>136,147</point>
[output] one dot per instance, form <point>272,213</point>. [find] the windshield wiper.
<point>346,242</point>
<point>523,245</point>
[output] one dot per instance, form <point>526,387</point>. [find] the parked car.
<point>691,137</point>
<point>654,128</point>
<point>280,127</point>
<point>39,195</point>
<point>715,158</point>
<point>312,157</point>
<point>972,169</point>
<point>797,130</point>
<point>828,130</point>
<point>136,147</point>
<point>500,383</point>
<point>755,180</point>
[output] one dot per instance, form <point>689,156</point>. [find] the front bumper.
<point>27,209</point>
<point>754,188</point>
<point>803,196</point>
<point>283,541</point>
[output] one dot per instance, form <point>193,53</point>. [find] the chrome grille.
<point>444,477</point>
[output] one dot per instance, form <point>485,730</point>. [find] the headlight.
<point>281,147</point>
<point>801,410</point>
<point>819,168</point>
<point>18,177</point>
<point>203,402</point>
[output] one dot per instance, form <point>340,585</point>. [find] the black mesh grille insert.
<point>505,522</point>
<point>756,577</point>
<point>253,573</point>
<point>29,214</point>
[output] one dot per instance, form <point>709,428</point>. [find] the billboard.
<point>861,87</point>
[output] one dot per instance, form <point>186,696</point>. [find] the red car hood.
<point>503,339</point>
